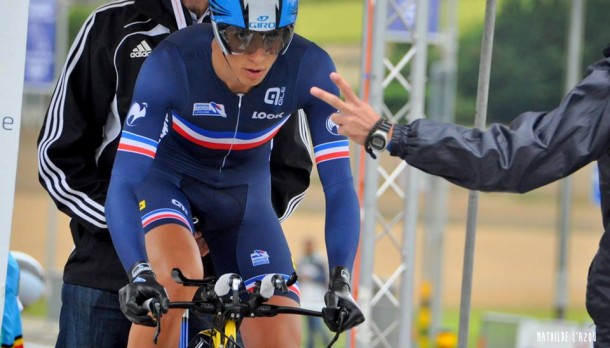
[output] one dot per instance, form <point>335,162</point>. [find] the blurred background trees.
<point>529,57</point>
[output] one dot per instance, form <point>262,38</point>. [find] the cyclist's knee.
<point>276,332</point>
<point>280,331</point>
<point>178,292</point>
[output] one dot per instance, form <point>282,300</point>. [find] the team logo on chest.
<point>209,109</point>
<point>261,115</point>
<point>275,95</point>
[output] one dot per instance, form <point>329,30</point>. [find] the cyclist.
<point>197,139</point>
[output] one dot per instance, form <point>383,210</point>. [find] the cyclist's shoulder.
<point>302,48</point>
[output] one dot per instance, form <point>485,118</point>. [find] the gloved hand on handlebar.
<point>142,286</point>
<point>341,312</point>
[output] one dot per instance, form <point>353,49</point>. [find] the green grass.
<point>331,22</point>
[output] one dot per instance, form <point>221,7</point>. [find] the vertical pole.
<point>373,94</point>
<point>436,216</point>
<point>417,100</point>
<point>13,30</point>
<point>473,198</point>
<point>573,67</point>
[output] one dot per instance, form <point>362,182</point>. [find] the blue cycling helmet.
<point>243,26</point>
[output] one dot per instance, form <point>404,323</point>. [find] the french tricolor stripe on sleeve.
<point>134,143</point>
<point>330,151</point>
<point>161,214</point>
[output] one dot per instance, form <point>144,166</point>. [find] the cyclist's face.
<point>242,72</point>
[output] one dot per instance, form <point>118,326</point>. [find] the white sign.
<point>13,33</point>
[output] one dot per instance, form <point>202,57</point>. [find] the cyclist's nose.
<point>259,55</point>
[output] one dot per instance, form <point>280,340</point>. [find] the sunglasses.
<point>244,41</point>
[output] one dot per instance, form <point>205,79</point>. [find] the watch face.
<point>378,142</point>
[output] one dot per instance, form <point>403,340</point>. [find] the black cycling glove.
<point>142,286</point>
<point>341,312</point>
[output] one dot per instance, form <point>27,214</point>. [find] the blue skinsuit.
<point>190,146</point>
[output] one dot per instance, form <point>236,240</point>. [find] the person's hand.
<point>142,286</point>
<point>341,312</point>
<point>354,117</point>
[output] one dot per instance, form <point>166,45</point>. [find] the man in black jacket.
<point>536,149</point>
<point>77,145</point>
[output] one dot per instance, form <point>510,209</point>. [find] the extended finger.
<point>344,87</point>
<point>327,97</point>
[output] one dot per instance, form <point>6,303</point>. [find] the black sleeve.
<point>535,149</point>
<point>291,165</point>
<point>73,127</point>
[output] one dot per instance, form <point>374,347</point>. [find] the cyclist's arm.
<point>73,128</point>
<point>535,149</point>
<point>159,88</point>
<point>331,151</point>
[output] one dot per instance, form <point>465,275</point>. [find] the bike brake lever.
<point>154,307</point>
<point>179,278</point>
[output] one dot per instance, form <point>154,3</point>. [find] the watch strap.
<point>367,141</point>
<point>385,126</point>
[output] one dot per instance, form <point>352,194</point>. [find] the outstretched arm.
<point>535,149</point>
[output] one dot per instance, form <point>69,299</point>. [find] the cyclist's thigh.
<point>167,222</point>
<point>220,213</point>
<point>261,246</point>
<point>161,201</point>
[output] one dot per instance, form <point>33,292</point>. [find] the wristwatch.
<point>377,139</point>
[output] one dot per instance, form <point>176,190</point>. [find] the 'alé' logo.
<point>275,95</point>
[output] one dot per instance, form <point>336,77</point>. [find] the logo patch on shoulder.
<point>209,109</point>
<point>331,126</point>
<point>259,257</point>
<point>136,112</point>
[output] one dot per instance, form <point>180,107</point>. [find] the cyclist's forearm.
<point>342,224</point>
<point>124,223</point>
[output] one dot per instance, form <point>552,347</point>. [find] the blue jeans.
<point>91,318</point>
